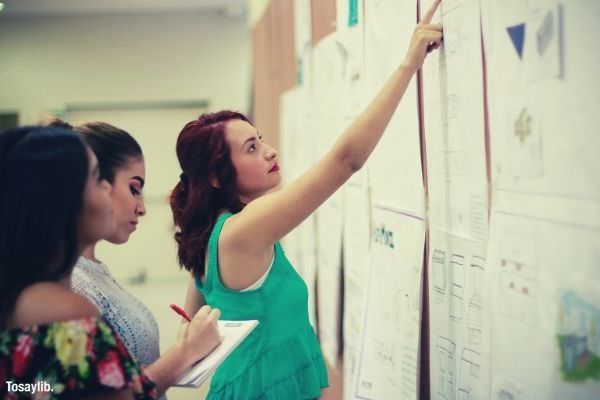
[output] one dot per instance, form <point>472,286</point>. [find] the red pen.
<point>180,311</point>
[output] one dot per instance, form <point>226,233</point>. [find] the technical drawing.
<point>476,270</point>
<point>475,306</point>
<point>523,125</point>
<point>468,374</point>
<point>457,271</point>
<point>446,349</point>
<point>439,271</point>
<point>518,288</point>
<point>385,352</point>
<point>524,146</point>
<point>505,389</point>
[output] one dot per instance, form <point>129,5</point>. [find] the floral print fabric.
<point>73,359</point>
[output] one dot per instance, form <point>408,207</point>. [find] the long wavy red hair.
<point>207,186</point>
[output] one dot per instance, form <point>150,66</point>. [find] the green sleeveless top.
<point>281,358</point>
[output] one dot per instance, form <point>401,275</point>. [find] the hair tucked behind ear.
<point>207,185</point>
<point>113,147</point>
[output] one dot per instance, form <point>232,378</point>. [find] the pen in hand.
<point>180,311</point>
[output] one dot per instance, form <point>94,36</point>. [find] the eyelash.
<point>134,191</point>
<point>252,147</point>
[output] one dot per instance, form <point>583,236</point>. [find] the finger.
<point>213,317</point>
<point>204,311</point>
<point>431,27</point>
<point>215,313</point>
<point>431,36</point>
<point>430,32</point>
<point>429,14</point>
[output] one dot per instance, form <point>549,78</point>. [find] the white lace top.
<point>127,315</point>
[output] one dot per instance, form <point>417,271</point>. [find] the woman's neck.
<point>90,253</point>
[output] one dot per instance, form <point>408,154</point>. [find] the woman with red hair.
<point>230,223</point>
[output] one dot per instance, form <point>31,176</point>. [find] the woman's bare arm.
<point>193,298</point>
<point>250,234</point>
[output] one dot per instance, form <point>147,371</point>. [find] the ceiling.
<point>234,8</point>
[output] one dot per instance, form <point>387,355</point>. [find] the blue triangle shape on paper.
<point>517,36</point>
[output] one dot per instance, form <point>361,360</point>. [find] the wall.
<point>48,62</point>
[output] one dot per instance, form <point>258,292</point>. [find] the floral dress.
<point>68,360</point>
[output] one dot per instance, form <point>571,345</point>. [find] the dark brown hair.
<point>43,173</point>
<point>196,201</point>
<point>113,147</point>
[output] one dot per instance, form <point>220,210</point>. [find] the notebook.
<point>232,333</point>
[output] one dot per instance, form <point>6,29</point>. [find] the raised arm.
<point>270,217</point>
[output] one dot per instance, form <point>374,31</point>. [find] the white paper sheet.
<point>458,317</point>
<point>292,103</point>
<point>302,40</point>
<point>543,123</point>
<point>352,97</point>
<point>395,165</point>
<point>296,157</point>
<point>545,285</point>
<point>327,75</point>
<point>328,64</point>
<point>300,249</point>
<point>356,276</point>
<point>309,267</point>
<point>454,124</point>
<point>329,275</point>
<point>390,342</point>
<point>232,334</point>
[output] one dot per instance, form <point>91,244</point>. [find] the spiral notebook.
<point>232,334</point>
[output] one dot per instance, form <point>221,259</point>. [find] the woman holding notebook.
<point>121,164</point>
<point>53,343</point>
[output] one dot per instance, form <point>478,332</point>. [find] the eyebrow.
<point>139,179</point>
<point>248,140</point>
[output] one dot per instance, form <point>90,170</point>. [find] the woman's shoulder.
<point>77,357</point>
<point>48,302</point>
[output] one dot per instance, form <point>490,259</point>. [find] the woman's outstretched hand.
<point>426,37</point>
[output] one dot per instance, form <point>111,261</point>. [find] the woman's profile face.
<point>255,161</point>
<point>97,221</point>
<point>127,199</point>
